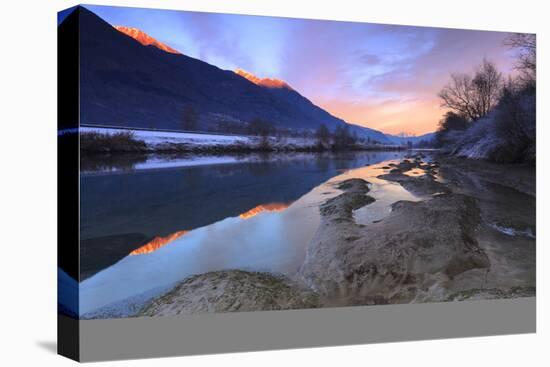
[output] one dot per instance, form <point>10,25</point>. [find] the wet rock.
<point>421,185</point>
<point>229,291</point>
<point>520,177</point>
<point>492,293</point>
<point>344,205</point>
<point>407,165</point>
<point>389,261</point>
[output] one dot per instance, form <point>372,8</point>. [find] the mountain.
<point>285,92</point>
<point>264,82</point>
<point>144,38</point>
<point>124,83</point>
<point>402,140</point>
<point>366,132</point>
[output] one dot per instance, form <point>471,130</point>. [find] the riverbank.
<point>463,239</point>
<point>229,291</point>
<point>110,140</point>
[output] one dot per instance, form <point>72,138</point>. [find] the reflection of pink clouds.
<point>417,116</point>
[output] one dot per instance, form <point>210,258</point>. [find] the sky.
<point>384,77</point>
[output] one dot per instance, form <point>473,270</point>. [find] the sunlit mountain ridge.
<point>124,83</point>
<point>144,38</point>
<point>264,82</point>
<point>159,242</point>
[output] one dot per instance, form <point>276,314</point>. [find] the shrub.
<point>515,123</point>
<point>124,141</point>
<point>448,126</point>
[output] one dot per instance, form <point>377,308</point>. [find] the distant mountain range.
<point>413,139</point>
<point>128,78</point>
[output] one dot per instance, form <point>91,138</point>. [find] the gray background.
<point>250,331</point>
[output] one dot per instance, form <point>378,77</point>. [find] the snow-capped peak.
<point>264,82</point>
<point>144,38</point>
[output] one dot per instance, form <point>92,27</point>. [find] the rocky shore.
<point>423,183</point>
<point>231,290</point>
<point>417,245</point>
<point>444,247</point>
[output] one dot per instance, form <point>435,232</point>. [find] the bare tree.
<point>263,129</point>
<point>473,96</point>
<point>526,45</point>
<point>323,135</point>
<point>189,119</point>
<point>259,127</point>
<point>515,122</point>
<point>452,121</point>
<point>448,125</point>
<point>342,138</point>
<point>488,86</point>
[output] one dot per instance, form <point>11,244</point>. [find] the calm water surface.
<point>150,223</point>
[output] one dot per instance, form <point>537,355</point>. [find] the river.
<point>148,222</point>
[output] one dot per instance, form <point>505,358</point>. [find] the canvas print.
<point>233,163</point>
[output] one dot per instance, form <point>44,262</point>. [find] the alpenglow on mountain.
<point>144,38</point>
<point>264,82</point>
<point>128,78</point>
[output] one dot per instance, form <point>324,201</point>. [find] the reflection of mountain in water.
<point>125,211</point>
<point>271,207</point>
<point>157,243</point>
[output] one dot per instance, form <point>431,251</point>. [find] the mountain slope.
<point>144,38</point>
<point>413,139</point>
<point>264,82</point>
<point>124,83</point>
<point>372,134</point>
<point>284,92</point>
